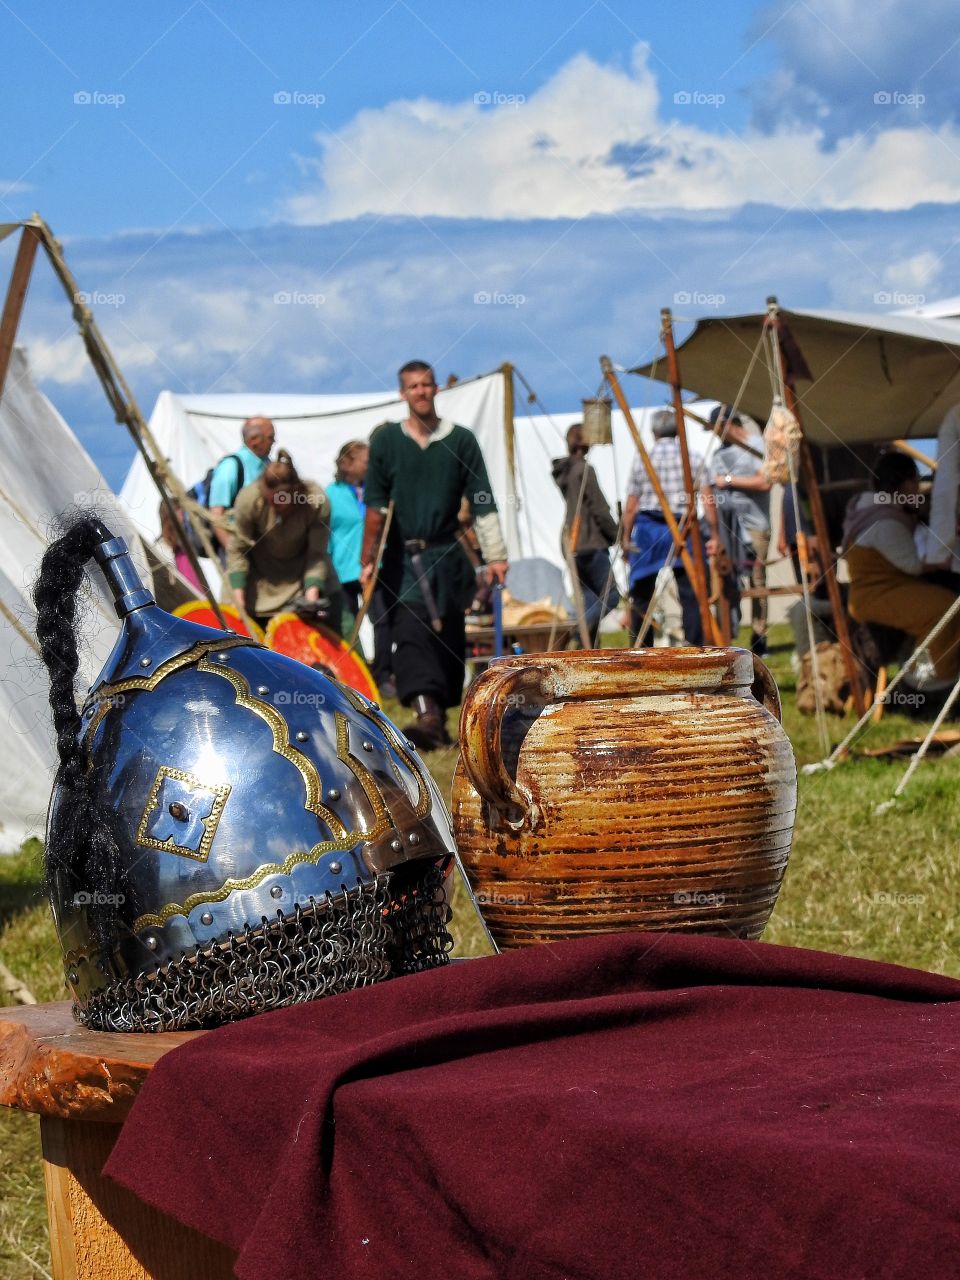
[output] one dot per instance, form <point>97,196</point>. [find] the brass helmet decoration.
<point>229,830</point>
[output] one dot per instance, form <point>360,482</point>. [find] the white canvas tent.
<point>875,377</point>
<point>44,471</point>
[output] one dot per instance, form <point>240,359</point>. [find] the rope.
<point>924,747</point>
<point>840,751</point>
<point>775,369</point>
<point>808,614</point>
<point>533,398</point>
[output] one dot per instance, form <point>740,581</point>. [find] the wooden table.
<point>82,1085</point>
<point>533,638</point>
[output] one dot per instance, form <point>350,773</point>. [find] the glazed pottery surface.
<point>624,788</point>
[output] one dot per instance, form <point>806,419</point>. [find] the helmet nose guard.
<point>278,838</point>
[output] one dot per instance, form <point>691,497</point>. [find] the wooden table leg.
<point>99,1230</point>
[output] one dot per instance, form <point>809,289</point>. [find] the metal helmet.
<point>276,838</point>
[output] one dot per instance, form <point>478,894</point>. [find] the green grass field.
<point>887,888</point>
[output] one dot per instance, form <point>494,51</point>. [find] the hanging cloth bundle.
<point>781,445</point>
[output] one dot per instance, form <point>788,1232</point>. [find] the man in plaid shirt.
<point>649,539</point>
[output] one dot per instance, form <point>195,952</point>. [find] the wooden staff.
<point>570,552</point>
<point>696,541</point>
<point>710,627</point>
<point>371,586</point>
<point>812,485</point>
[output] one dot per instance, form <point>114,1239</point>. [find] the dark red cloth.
<point>631,1105</point>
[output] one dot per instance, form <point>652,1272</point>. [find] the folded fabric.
<point>629,1105</point>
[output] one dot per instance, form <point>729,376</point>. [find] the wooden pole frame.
<point>509,427</point>
<point>126,409</point>
<point>679,538</point>
<point>16,295</point>
<point>699,581</point>
<point>827,552</point>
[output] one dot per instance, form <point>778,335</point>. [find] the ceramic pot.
<point>624,789</point>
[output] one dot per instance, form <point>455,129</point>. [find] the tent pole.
<point>16,294</point>
<point>127,411</point>
<point>913,452</point>
<point>828,555</point>
<point>710,627</point>
<point>508,425</point>
<point>696,539</point>
<point>509,439</point>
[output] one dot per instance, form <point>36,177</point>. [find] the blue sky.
<point>388,165</point>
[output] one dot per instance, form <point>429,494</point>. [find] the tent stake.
<point>827,553</point>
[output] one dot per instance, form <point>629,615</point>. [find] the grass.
<point>887,888</point>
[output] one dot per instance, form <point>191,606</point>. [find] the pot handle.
<point>480,738</point>
<point>764,688</point>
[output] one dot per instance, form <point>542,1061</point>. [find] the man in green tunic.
<point>425,466</point>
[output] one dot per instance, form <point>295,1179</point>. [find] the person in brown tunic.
<point>278,546</point>
<point>888,584</point>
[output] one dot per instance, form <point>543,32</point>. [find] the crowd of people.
<point>388,527</point>
<point>901,570</point>
<point>410,523</point>
<point>734,494</point>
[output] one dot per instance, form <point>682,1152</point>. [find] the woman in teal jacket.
<point>346,525</point>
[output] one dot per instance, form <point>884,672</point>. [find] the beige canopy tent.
<point>875,377</point>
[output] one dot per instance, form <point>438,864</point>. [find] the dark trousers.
<point>425,661</point>
<point>600,592</point>
<point>379,614</point>
<point>351,596</point>
<point>641,593</point>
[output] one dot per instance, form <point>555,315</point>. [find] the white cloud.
<point>916,272</point>
<point>834,60</point>
<point>597,139</point>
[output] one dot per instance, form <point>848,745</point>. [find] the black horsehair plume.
<point>81,847</point>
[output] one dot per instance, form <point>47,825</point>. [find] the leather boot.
<point>429,730</point>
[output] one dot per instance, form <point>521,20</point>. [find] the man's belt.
<point>416,545</point>
<point>414,548</point>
